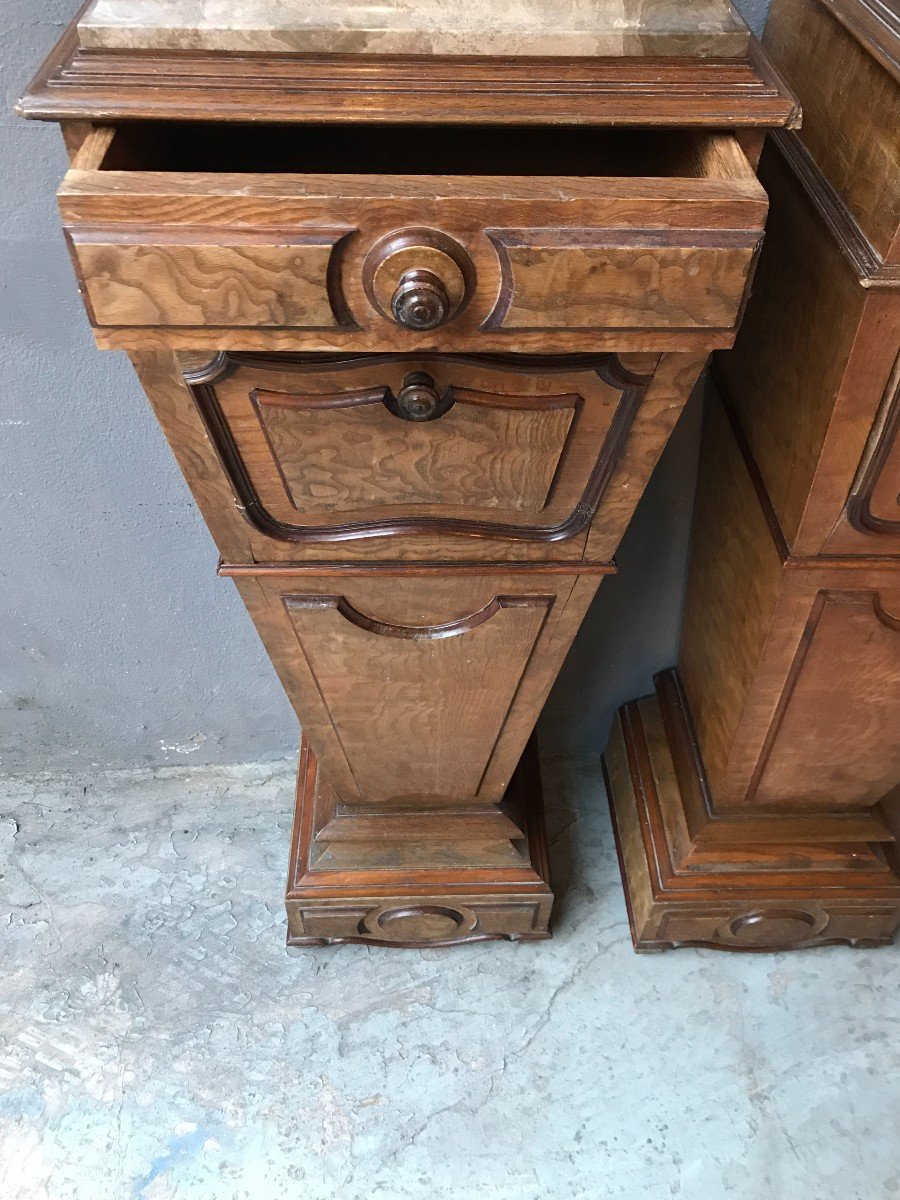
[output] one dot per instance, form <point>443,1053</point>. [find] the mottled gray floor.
<point>158,1043</point>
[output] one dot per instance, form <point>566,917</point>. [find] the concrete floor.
<point>158,1043</point>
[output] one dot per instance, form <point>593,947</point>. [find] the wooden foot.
<point>752,882</point>
<point>418,879</point>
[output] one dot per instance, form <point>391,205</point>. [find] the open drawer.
<point>274,237</point>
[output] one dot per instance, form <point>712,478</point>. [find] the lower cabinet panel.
<point>438,692</point>
<point>418,691</point>
<point>791,669</point>
<point>834,736</point>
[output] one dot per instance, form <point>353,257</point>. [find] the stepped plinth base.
<point>418,879</point>
<point>727,881</point>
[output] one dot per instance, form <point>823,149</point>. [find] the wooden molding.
<point>875,25</point>
<point>747,894</point>
<point>752,466</point>
<point>411,568</point>
<point>888,619</point>
<point>885,433</point>
<point>377,907</point>
<point>418,633</point>
<point>206,370</point>
<point>103,85</point>
<point>868,265</point>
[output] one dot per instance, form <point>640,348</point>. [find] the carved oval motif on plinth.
<point>418,923</point>
<point>773,928</point>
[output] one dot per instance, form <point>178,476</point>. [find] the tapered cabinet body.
<point>776,748</point>
<point>417,324</point>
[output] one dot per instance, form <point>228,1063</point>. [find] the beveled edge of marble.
<point>527,28</point>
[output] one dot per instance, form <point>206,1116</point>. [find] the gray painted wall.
<point>118,644</point>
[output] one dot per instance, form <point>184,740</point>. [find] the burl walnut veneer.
<point>756,794</point>
<point>417,322</point>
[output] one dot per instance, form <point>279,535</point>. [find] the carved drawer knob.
<point>420,301</point>
<point>419,278</point>
<point>419,399</point>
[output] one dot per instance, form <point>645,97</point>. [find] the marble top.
<point>445,27</point>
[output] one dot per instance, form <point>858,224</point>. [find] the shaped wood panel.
<point>347,451</point>
<point>418,691</point>
<point>621,279</point>
<point>445,687</point>
<point>224,277</point>
<point>835,739</point>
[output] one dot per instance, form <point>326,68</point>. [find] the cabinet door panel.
<point>418,691</point>
<point>836,737</point>
<point>438,694</point>
<point>321,449</point>
<point>346,451</point>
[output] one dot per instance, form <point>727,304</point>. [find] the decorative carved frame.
<point>632,388</point>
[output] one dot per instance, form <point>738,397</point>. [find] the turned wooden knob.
<point>418,399</point>
<point>421,300</point>
<point>418,278</point>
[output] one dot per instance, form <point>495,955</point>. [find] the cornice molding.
<point>868,265</point>
<point>77,84</point>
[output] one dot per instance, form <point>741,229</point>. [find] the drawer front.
<point>659,279</point>
<point>418,690</point>
<point>397,262</point>
<point>326,449</point>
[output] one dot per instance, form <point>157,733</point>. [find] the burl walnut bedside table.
<point>417,307</point>
<point>757,794</point>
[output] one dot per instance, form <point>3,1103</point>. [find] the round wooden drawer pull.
<point>418,278</point>
<point>418,399</point>
<point>421,301</point>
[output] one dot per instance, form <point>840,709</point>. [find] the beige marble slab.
<point>445,27</point>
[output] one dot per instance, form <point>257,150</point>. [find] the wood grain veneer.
<point>452,885</point>
<point>598,414</point>
<point>619,431</point>
<point>809,452</point>
<point>855,98</point>
<point>493,452</point>
<point>457,665</point>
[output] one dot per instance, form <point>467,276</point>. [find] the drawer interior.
<point>416,150</point>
